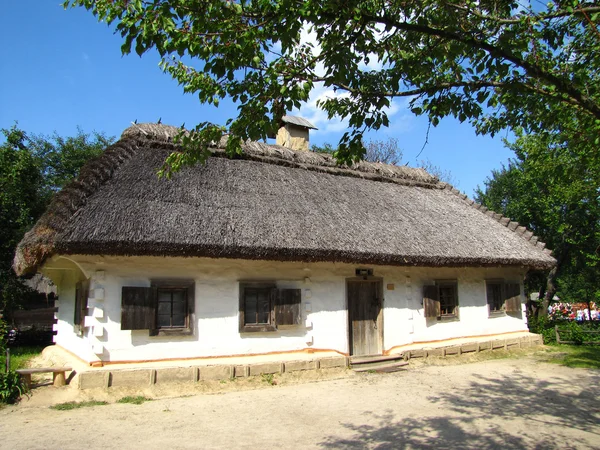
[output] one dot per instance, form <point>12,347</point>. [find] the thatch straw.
<point>271,203</point>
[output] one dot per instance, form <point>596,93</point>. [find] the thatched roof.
<point>271,203</point>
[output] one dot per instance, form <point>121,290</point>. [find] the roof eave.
<point>300,255</point>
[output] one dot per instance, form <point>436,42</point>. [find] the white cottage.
<point>272,252</point>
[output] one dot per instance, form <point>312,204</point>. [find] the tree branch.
<point>541,17</point>
<point>532,70</point>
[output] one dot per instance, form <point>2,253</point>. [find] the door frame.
<point>368,279</point>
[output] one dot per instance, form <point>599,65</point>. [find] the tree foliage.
<point>61,158</point>
<point>376,150</point>
<point>493,63</point>
<point>388,152</point>
<point>553,188</point>
<point>32,168</point>
<point>442,174</point>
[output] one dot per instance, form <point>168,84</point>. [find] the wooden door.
<point>365,318</point>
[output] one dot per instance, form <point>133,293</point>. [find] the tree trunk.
<point>550,287</point>
<point>541,296</point>
<point>552,276</point>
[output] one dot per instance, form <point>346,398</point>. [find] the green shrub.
<point>575,334</point>
<point>12,388</point>
<point>544,327</point>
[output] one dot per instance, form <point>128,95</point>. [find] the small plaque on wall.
<point>390,287</point>
<point>364,272</point>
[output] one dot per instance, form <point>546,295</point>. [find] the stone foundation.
<point>148,377</point>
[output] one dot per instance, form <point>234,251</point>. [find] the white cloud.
<point>317,116</point>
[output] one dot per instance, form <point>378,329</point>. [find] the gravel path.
<point>499,404</point>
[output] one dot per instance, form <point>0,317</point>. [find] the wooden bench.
<point>58,374</point>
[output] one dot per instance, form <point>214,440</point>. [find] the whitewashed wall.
<point>216,330</point>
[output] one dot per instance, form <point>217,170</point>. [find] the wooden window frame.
<point>190,299</point>
<point>432,303</point>
<point>510,305</point>
<point>455,314</point>
<point>144,315</point>
<point>257,328</point>
<point>284,307</point>
<point>171,291</point>
<point>82,289</point>
<point>496,312</point>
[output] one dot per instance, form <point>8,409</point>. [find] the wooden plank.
<point>431,302</point>
<point>376,358</point>
<point>287,308</point>
<point>43,370</point>
<point>513,297</point>
<point>364,311</point>
<point>384,367</point>
<point>81,297</point>
<point>138,308</point>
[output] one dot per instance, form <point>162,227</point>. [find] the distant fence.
<point>575,335</point>
<point>33,327</point>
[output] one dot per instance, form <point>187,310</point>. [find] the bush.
<point>12,387</point>
<point>575,334</point>
<point>570,330</point>
<point>544,327</point>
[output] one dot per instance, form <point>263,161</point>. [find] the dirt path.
<point>499,404</point>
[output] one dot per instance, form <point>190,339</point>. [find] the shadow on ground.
<point>516,412</point>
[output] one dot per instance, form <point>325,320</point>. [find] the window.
<point>448,294</point>
<point>167,307</point>
<point>263,307</point>
<point>503,297</point>
<point>441,301</point>
<point>172,308</point>
<point>495,297</point>
<point>258,303</point>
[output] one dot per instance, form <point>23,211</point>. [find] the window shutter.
<point>512,297</point>
<point>138,308</point>
<point>431,302</point>
<point>81,297</point>
<point>287,307</point>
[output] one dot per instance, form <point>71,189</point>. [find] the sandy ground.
<point>495,404</point>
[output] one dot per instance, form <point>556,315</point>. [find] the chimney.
<point>293,133</point>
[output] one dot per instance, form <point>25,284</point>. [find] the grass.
<point>20,356</point>
<point>134,400</point>
<point>269,378</point>
<point>582,356</point>
<point>74,405</point>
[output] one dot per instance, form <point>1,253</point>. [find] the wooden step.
<point>381,367</point>
<point>357,360</point>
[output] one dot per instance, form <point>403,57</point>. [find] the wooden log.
<point>58,379</point>
<point>26,379</point>
<point>58,374</point>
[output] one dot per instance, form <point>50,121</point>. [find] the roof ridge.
<point>276,154</point>
<point>519,229</point>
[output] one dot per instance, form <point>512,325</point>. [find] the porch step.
<point>383,367</point>
<point>377,363</point>
<point>356,360</point>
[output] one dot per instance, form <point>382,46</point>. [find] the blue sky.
<point>62,69</point>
